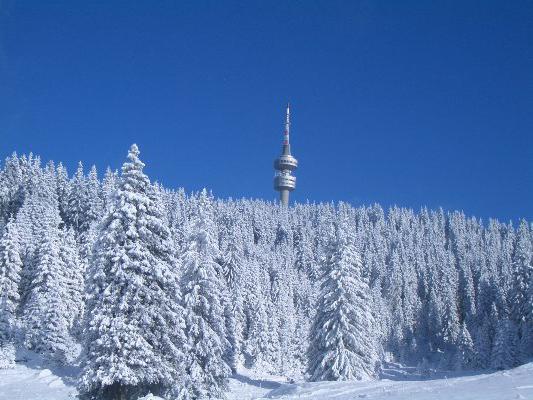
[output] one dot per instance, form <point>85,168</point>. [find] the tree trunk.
<point>121,393</point>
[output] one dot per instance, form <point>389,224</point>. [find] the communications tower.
<point>284,182</point>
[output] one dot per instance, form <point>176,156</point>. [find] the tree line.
<point>170,292</point>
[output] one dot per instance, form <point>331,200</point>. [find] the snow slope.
<point>504,385</point>
<point>37,380</point>
<point>512,384</point>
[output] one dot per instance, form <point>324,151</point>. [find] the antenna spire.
<point>287,125</point>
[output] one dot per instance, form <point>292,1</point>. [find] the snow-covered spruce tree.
<point>78,202</point>
<point>230,355</point>
<point>45,313</point>
<point>16,175</point>
<point>202,288</point>
<point>232,269</point>
<point>482,345</point>
<point>32,220</point>
<point>462,250</point>
<point>504,347</point>
<point>255,333</point>
<point>63,190</point>
<point>528,337</point>
<point>133,326</point>
<point>231,265</point>
<point>74,277</point>
<point>522,270</point>
<point>11,190</point>
<point>520,292</point>
<point>10,269</point>
<point>94,196</point>
<point>109,185</point>
<point>44,308</point>
<point>303,247</point>
<point>464,356</point>
<point>341,342</point>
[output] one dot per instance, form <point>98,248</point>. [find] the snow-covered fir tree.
<point>74,277</point>
<point>464,356</point>
<point>78,202</point>
<point>341,342</point>
<point>10,270</point>
<point>521,302</point>
<point>202,289</point>
<point>46,316</point>
<point>231,263</point>
<point>504,348</point>
<point>134,340</point>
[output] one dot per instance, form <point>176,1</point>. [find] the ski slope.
<point>35,380</point>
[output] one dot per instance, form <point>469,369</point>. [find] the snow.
<point>248,385</point>
<point>34,379</point>
<point>503,385</point>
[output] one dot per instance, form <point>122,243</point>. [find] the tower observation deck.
<point>284,182</point>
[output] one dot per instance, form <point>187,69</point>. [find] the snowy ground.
<point>504,385</point>
<point>36,380</point>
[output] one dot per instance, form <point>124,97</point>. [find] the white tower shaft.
<point>284,181</point>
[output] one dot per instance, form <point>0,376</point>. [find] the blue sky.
<point>413,103</point>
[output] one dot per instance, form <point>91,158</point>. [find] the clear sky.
<point>399,102</point>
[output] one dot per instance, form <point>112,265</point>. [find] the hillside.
<point>35,380</point>
<point>121,265</point>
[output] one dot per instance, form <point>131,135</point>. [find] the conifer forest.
<point>152,289</point>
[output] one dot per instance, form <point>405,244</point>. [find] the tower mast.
<point>284,181</point>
